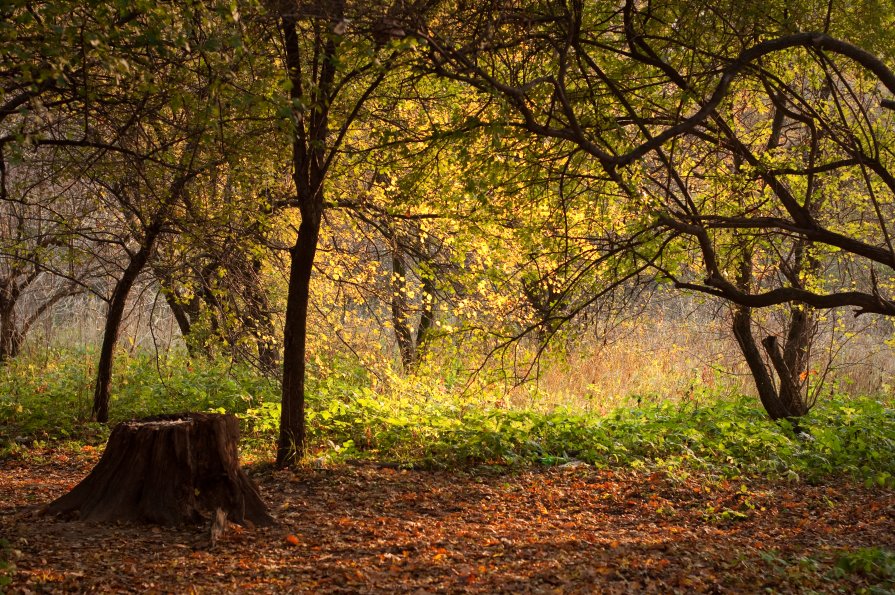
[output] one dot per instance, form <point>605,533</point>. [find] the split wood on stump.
<point>169,470</point>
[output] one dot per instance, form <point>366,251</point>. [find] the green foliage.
<point>872,562</point>
<point>52,398</point>
<point>7,566</point>
<point>414,424</point>
<point>418,422</point>
<point>726,438</point>
<point>47,398</point>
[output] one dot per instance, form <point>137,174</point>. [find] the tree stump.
<point>168,470</point>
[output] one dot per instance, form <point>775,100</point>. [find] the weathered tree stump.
<point>168,470</point>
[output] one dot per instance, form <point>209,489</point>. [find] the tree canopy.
<point>283,172</point>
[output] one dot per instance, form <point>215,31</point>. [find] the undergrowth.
<point>724,437</point>
<point>51,398</point>
<point>419,422</point>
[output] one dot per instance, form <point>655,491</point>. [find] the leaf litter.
<point>372,529</point>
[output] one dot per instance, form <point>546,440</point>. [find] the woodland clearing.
<point>368,528</point>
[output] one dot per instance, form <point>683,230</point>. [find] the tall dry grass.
<point>682,348</point>
<point>676,347</point>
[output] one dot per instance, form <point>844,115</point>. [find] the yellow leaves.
<point>444,326</point>
<point>440,554</point>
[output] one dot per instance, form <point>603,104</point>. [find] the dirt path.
<point>367,529</point>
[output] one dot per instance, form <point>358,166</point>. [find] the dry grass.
<point>681,349</point>
<point>676,348</point>
<point>644,362</point>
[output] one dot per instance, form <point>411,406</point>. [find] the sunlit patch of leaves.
<point>725,438</point>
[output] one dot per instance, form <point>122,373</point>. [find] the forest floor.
<point>365,528</point>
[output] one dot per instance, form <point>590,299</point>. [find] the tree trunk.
<point>400,312</point>
<point>183,321</point>
<point>13,330</point>
<point>291,445</point>
<point>112,329</point>
<point>543,298</point>
<point>309,166</point>
<point>268,354</point>
<point>169,470</point>
<point>181,311</point>
<point>427,317</point>
<point>778,403</point>
<point>9,342</point>
<point>15,343</point>
<point>261,324</point>
<point>764,383</point>
<point>791,362</point>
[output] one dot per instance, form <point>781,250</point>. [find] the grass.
<point>416,422</point>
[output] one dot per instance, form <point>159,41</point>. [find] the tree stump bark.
<point>168,470</point>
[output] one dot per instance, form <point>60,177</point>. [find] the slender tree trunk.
<point>12,335</point>
<point>785,400</point>
<point>291,445</point>
<point>791,362</point>
<point>742,331</point>
<point>427,317</point>
<point>261,324</point>
<point>8,341</point>
<point>13,330</point>
<point>183,321</point>
<point>213,307</point>
<point>764,383</point>
<point>268,355</point>
<point>178,309</point>
<point>400,312</point>
<point>112,329</point>
<point>15,345</point>
<point>311,135</point>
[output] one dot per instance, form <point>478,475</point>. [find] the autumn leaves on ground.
<point>371,528</point>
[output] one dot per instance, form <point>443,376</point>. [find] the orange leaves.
<point>805,373</point>
<point>367,530</point>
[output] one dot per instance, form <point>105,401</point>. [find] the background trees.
<point>402,181</point>
<point>745,151</point>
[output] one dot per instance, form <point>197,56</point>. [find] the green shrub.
<point>52,399</point>
<point>726,438</point>
<point>7,565</point>
<point>872,562</point>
